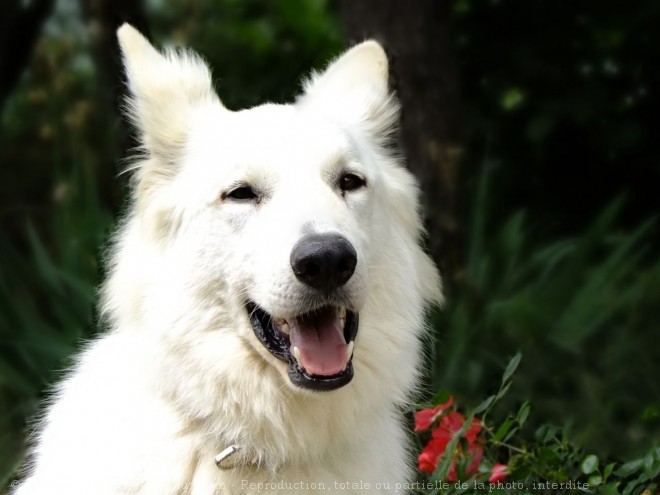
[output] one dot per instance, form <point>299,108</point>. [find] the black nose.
<point>323,261</point>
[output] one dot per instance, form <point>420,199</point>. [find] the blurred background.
<point>531,124</point>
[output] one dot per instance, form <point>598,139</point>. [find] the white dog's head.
<point>296,216</point>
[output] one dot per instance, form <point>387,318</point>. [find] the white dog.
<point>265,299</point>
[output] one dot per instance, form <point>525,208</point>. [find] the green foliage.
<point>561,92</point>
<point>578,308</point>
<point>46,305</point>
<point>514,460</point>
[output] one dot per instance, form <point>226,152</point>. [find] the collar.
<point>229,458</point>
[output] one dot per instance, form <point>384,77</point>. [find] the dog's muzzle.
<point>317,344</point>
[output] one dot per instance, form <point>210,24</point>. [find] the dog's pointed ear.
<point>164,90</point>
<point>362,69</point>
<point>354,89</point>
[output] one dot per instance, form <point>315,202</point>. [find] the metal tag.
<point>227,458</point>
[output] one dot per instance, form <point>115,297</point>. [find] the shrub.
<point>474,454</point>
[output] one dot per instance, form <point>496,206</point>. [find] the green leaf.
<point>545,433</point>
<point>510,434</point>
<point>648,462</point>
<point>484,405</point>
<point>630,487</point>
<point>629,468</point>
<point>609,489</point>
<point>608,470</point>
<point>503,430</point>
<point>548,456</point>
<point>523,413</point>
<point>511,368</point>
<point>595,480</point>
<point>505,388</point>
<point>589,464</point>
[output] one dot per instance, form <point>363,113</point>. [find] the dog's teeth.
<point>342,313</point>
<point>282,325</point>
<point>349,352</point>
<point>296,354</point>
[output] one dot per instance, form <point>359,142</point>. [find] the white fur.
<point>179,375</point>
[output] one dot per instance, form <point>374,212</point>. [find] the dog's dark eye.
<point>351,182</point>
<point>242,193</point>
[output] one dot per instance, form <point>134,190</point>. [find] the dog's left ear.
<point>354,90</point>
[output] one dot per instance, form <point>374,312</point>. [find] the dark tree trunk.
<point>104,18</point>
<point>417,39</point>
<point>19,30</point>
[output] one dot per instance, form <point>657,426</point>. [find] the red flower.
<point>425,417</point>
<point>448,426</point>
<point>429,457</point>
<point>453,421</point>
<point>498,473</point>
<point>473,430</point>
<point>442,434</point>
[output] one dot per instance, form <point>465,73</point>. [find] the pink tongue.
<point>323,349</point>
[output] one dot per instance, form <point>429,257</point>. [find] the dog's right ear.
<point>164,89</point>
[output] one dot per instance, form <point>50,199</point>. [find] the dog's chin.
<point>317,347</point>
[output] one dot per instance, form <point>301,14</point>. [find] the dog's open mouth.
<point>318,345</point>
